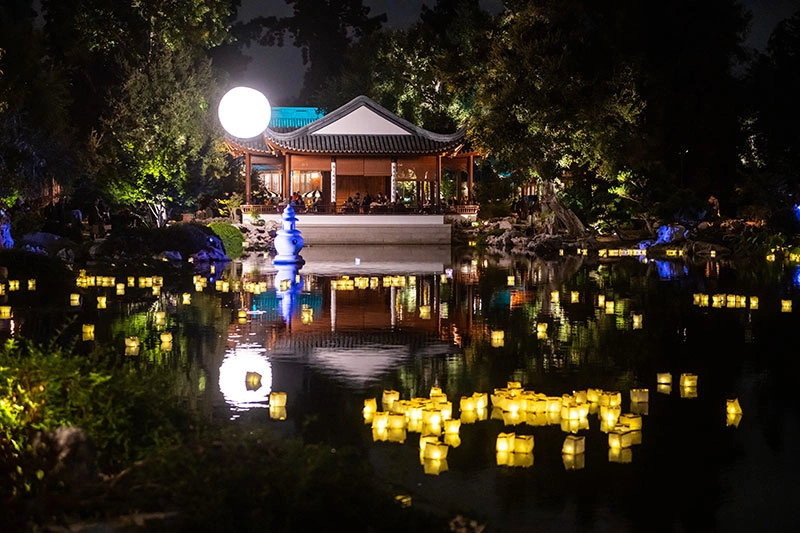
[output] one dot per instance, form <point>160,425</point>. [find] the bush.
<point>231,236</point>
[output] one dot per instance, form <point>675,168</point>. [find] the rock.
<point>70,455</point>
<point>670,233</point>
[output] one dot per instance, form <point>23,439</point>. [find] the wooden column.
<point>333,184</point>
<point>393,186</point>
<point>287,178</point>
<point>470,198</point>
<point>248,169</point>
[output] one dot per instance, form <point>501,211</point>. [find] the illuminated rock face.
<point>289,240</point>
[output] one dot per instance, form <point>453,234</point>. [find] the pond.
<point>379,347</point>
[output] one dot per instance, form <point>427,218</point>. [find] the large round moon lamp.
<point>244,112</point>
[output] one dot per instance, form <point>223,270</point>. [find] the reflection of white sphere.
<point>244,112</point>
<point>233,377</point>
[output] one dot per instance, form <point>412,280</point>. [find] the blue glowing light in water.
<point>797,211</point>
<point>796,276</point>
<point>670,270</point>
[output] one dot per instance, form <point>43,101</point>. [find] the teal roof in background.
<point>291,118</point>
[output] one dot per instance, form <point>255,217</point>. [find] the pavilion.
<point>362,148</point>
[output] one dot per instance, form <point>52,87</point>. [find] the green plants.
<point>231,236</point>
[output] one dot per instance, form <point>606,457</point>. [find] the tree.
<point>324,30</point>
<point>163,131</point>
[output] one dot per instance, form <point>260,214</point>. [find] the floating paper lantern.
<point>611,398</point>
<point>396,421</point>
<point>786,306</point>
<point>637,321</point>
<point>31,284</point>
<point>13,285</point>
<point>74,299</point>
<point>664,378</point>
<point>481,400</point>
<point>554,297</point>
<point>277,399</point>
<point>610,308</point>
<point>277,412</point>
<point>5,312</point>
<point>156,290</point>
<point>574,297</point>
<point>120,289</point>
<point>434,467</point>
<point>754,302</point>
<point>467,403</point>
<point>87,330</point>
<point>161,318</point>
<point>452,439</point>
<point>436,451</point>
<point>252,381</point>
<point>498,339</point>
<point>425,312</point>
<point>733,419</point>
<point>186,298</point>
<point>640,395</point>
<point>732,407</point>
<point>688,380</point>
<point>619,438</point>
<point>593,395</point>
<point>166,336</point>
<point>574,444</point>
<point>505,442</point>
<point>389,398</point>
<point>132,345</point>
<point>452,425</point>
<point>510,281</point>
<point>573,461</point>
<point>631,421</point>
<point>601,300</point>
<point>620,455</point>
<point>102,302</point>
<point>397,435</point>
<point>370,406</point>
<point>541,330</point>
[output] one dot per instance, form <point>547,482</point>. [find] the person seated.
<point>348,205</point>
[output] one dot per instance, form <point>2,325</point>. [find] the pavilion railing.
<point>272,209</point>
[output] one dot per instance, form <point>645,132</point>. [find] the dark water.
<point>353,323</point>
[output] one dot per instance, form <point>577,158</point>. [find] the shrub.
<point>231,236</point>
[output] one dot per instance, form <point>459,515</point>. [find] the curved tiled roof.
<point>410,140</point>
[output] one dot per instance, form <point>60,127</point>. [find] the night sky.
<point>278,72</point>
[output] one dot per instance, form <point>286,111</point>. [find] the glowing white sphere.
<point>244,112</point>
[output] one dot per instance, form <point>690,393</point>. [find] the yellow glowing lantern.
<point>467,403</point>
<point>380,420</point>
<point>434,391</point>
<point>389,397</point>
<point>165,337</point>
<point>156,290</point>
<point>601,300</point>
<point>620,455</point>
<point>619,438</point>
<point>573,461</point>
<point>277,399</point>
<point>481,400</point>
<point>610,415</point>
<point>505,442</point>
<point>120,289</point>
<point>434,467</point>
<point>510,281</point>
<point>637,321</point>
<point>452,425</point>
<point>13,285</point>
<point>132,345</point>
<point>425,312</point>
<point>498,339</point>
<point>754,302</point>
<point>664,378</point>
<point>198,287</point>
<point>574,297</point>
<point>87,331</point>
<point>504,458</point>
<point>640,395</point>
<point>574,444</point>
<point>733,419</point>
<point>186,298</point>
<point>541,330</point>
<point>611,398</point>
<point>688,380</point>
<point>610,308</point>
<point>370,406</point>
<point>2,289</point>
<point>74,299</point>
<point>277,412</point>
<point>5,312</point>
<point>631,421</point>
<point>31,284</point>
<point>786,306</point>
<point>593,395</point>
<point>131,281</point>
<point>242,314</point>
<point>161,318</point>
<point>732,407</point>
<point>554,297</point>
<point>396,421</point>
<point>437,451</point>
<point>688,392</point>
<point>101,302</point>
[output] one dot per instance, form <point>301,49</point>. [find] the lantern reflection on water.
<point>132,345</point>
<point>732,407</point>
<point>574,444</point>
<point>688,392</point>
<point>87,331</point>
<point>74,299</point>
<point>640,395</point>
<point>573,461</point>
<point>101,302</point>
<point>664,389</point>
<point>434,467</point>
<point>620,455</point>
<point>498,339</point>
<point>733,419</point>
<point>5,312</point>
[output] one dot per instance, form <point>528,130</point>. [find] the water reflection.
<point>245,378</point>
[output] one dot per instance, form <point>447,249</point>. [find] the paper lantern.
<point>553,404</point>
<point>640,395</point>
<point>611,398</point>
<point>436,451</point>
<point>389,398</point>
<point>467,403</point>
<point>541,330</point>
<point>610,307</point>
<point>31,284</point>
<point>637,321</point>
<point>732,407</point>
<point>5,312</point>
<point>13,285</point>
<point>688,380</point>
<point>631,421</point>
<point>186,298</point>
<point>786,306</point>
<point>452,425</point>
<point>452,439</point>
<point>574,297</point>
<point>166,336</point>
<point>664,378</point>
<point>574,444</point>
<point>620,455</point>
<point>370,406</point>
<point>132,345</point>
<point>277,399</point>
<point>277,412</point>
<point>87,331</point>
<point>505,442</point>
<point>619,438</point>
<point>481,400</point>
<point>754,302</point>
<point>161,318</point>
<point>510,281</point>
<point>396,421</point>
<point>581,396</point>
<point>425,312</point>
<point>733,419</point>
<point>74,299</point>
<point>593,395</point>
<point>554,297</point>
<point>498,339</point>
<point>573,461</point>
<point>434,467</point>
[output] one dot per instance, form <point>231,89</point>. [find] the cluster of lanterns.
<point>514,405</point>
<point>734,301</point>
<point>346,283</point>
<point>13,286</point>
